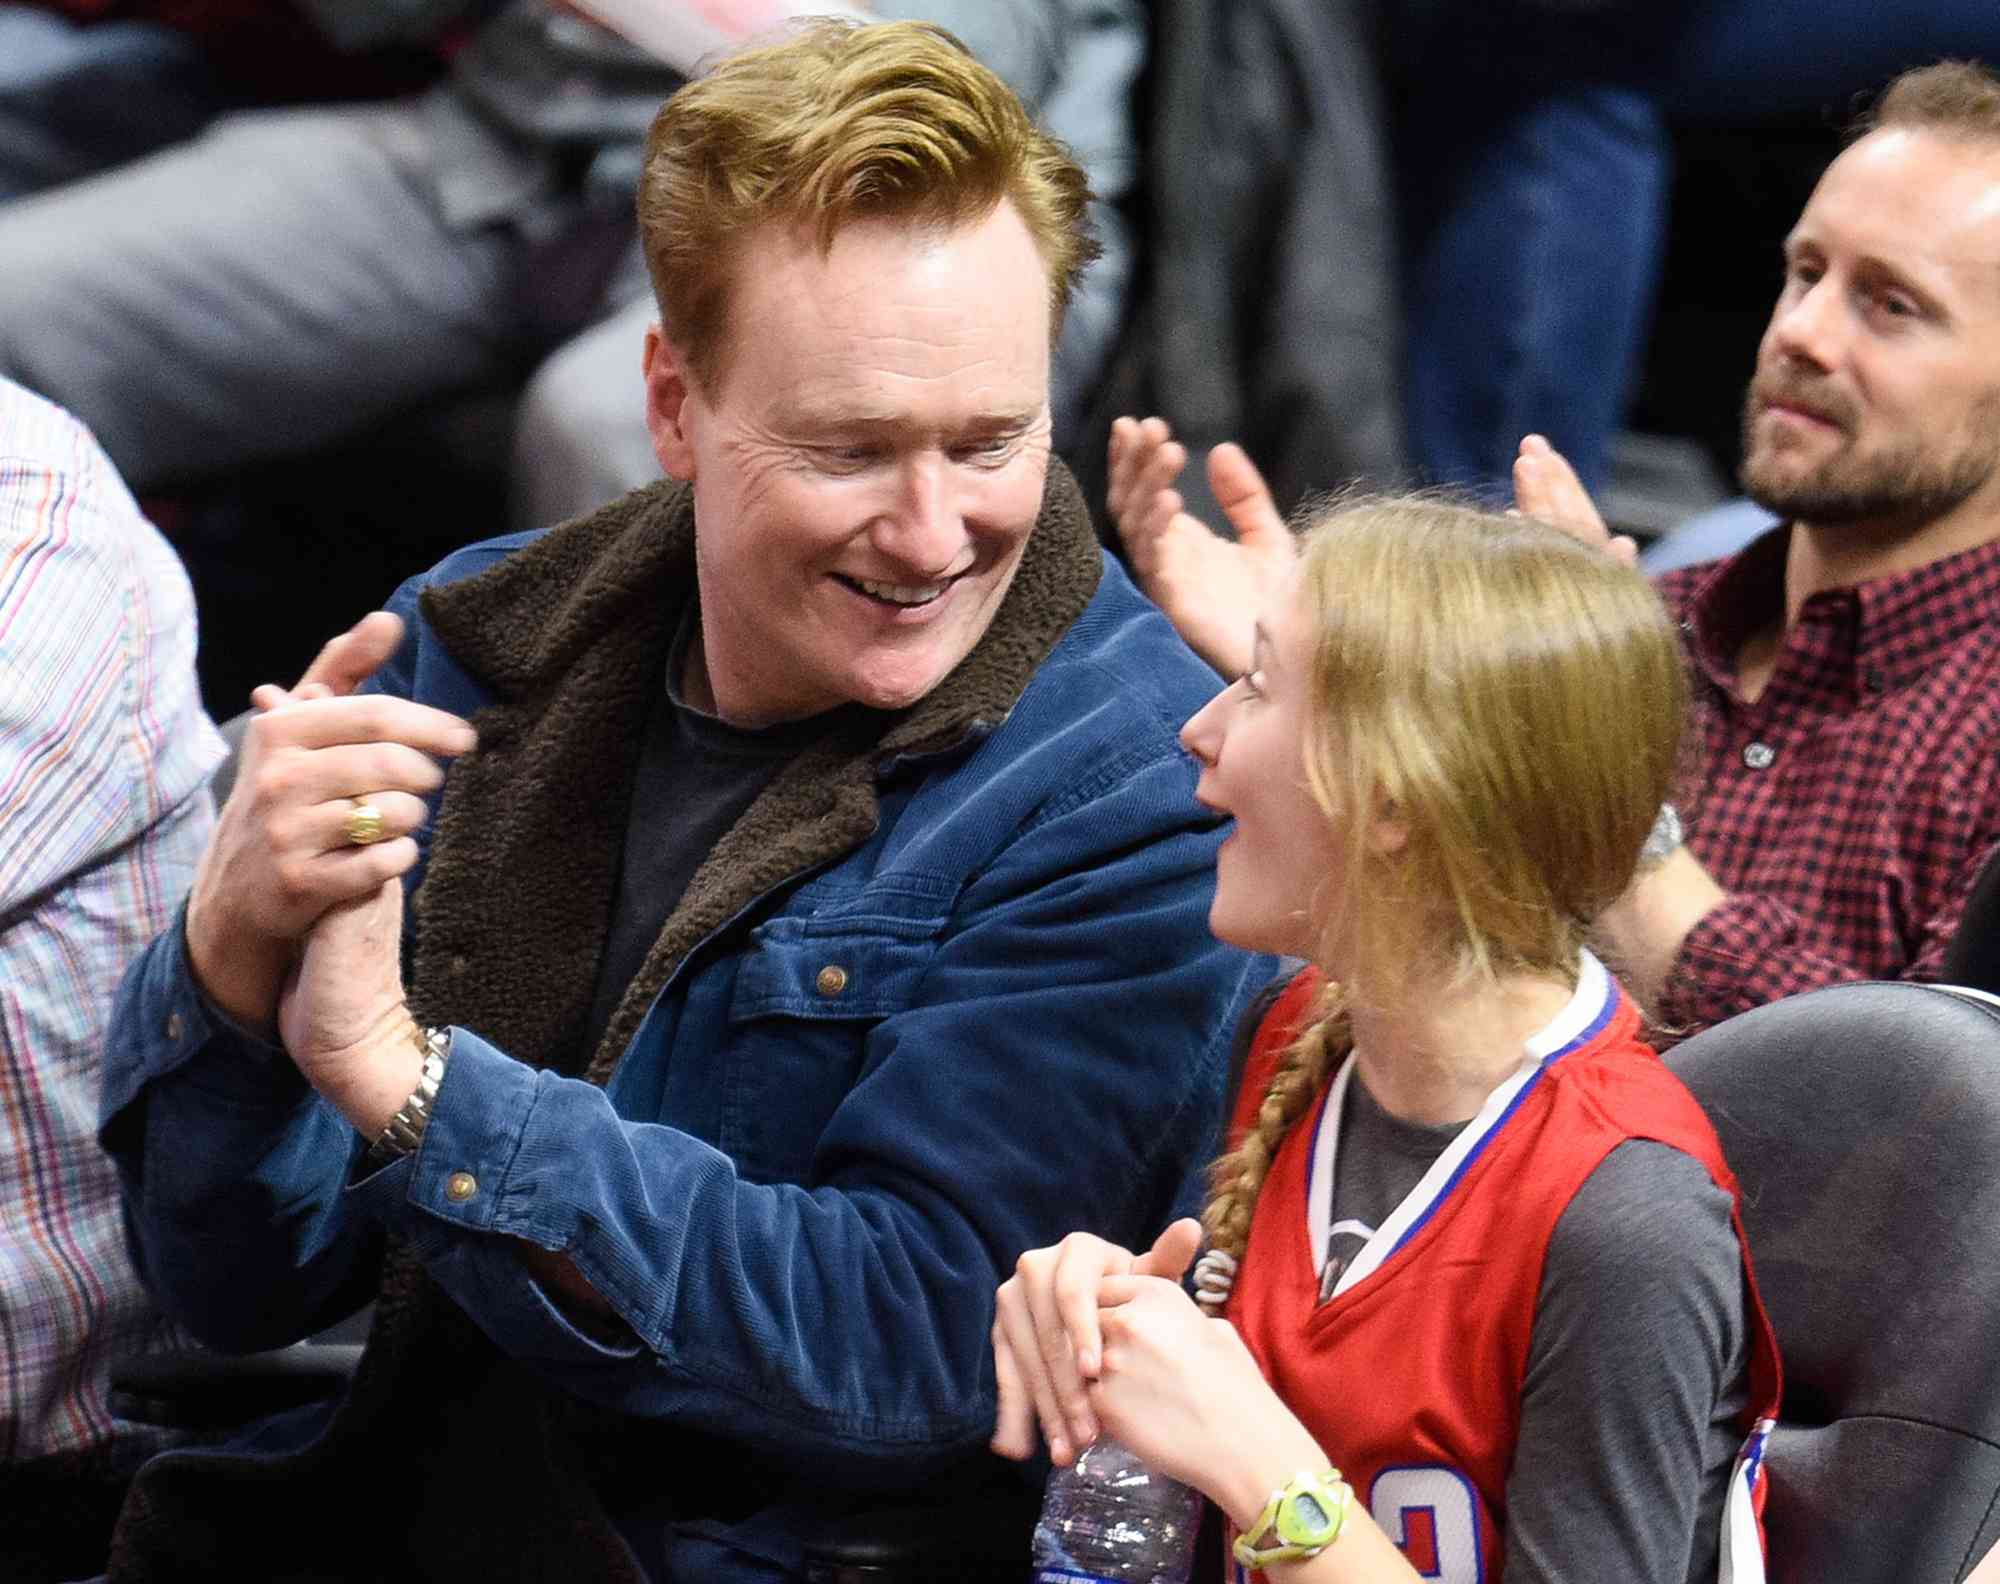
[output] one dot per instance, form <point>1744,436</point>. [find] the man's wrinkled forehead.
<point>784,281</point>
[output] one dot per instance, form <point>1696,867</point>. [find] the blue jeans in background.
<point>76,99</point>
<point>1534,161</point>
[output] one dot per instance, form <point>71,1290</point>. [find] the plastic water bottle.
<point>1108,1519</point>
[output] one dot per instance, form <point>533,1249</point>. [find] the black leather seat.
<point>1863,1122</point>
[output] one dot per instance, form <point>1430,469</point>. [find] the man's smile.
<point>904,596</point>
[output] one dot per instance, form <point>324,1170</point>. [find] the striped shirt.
<point>105,756</point>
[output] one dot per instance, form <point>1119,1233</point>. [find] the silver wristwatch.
<point>406,1128</point>
<point>1662,839</point>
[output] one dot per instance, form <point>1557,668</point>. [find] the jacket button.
<point>1760,756</point>
<point>457,966</point>
<point>174,1027</point>
<point>460,1186</point>
<point>832,980</point>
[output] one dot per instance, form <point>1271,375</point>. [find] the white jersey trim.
<point>1742,1558</point>
<point>1589,1008</point>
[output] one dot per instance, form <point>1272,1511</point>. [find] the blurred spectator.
<point>76,98</point>
<point>88,84</point>
<point>292,275</point>
<point>104,763</point>
<point>1534,162</point>
<point>1531,177</point>
<point>1268,308</point>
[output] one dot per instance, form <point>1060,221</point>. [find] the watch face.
<point>1308,1513</point>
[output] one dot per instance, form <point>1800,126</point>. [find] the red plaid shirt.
<point>1848,810</point>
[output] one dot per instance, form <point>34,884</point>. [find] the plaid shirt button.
<point>1760,756</point>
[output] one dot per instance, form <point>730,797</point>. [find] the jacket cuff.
<point>162,1024</point>
<point>452,1196</point>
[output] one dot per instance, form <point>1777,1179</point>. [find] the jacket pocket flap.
<point>823,968</point>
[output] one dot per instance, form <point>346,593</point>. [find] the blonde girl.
<point>1472,1243</point>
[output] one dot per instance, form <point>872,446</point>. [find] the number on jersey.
<point>1432,1514</point>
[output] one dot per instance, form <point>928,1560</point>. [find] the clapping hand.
<point>1213,589</point>
<point>1546,488</point>
<point>284,849</point>
<point>1091,1337</point>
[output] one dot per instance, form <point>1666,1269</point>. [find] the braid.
<point>1237,1178</point>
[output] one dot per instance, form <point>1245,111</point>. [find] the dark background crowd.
<point>1374,242</point>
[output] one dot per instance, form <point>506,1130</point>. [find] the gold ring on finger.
<point>363,826</point>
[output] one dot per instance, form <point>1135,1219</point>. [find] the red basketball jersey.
<point>1410,1374</point>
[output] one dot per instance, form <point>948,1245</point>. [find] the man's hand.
<point>280,857</point>
<point>1046,1342</point>
<point>1546,488</point>
<point>342,1015</point>
<point>1212,590</point>
<point>345,1021</point>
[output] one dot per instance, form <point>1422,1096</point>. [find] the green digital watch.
<point>1305,1517</point>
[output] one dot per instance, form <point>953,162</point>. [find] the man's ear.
<point>667,392</point>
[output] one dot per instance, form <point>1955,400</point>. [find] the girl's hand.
<point>1045,1334</point>
<point>1183,1392</point>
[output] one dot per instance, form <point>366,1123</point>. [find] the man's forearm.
<point>1642,932</point>
<point>232,1169</point>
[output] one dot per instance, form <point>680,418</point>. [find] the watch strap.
<point>405,1130</point>
<point>1305,1516</point>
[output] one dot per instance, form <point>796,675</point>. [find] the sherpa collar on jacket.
<point>571,635</point>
